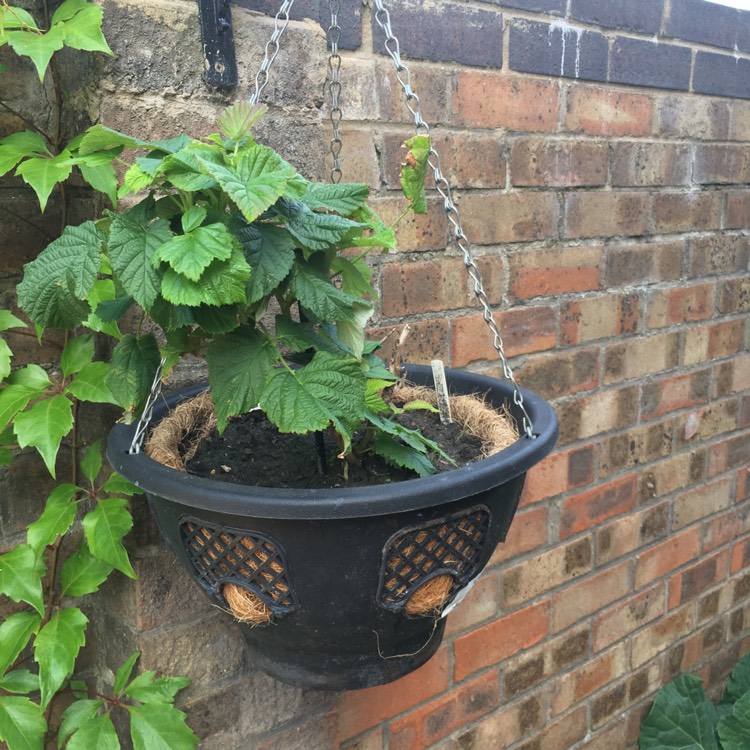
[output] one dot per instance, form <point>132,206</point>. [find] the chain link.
<point>334,66</point>
<point>382,18</point>
<point>148,411</point>
<point>280,23</point>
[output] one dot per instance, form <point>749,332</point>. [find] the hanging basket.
<point>339,570</point>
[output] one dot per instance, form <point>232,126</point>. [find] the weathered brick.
<point>590,508</point>
<point>509,217</point>
<point>704,343</point>
<point>701,424</point>
<point>638,446</point>
<point>661,635</point>
<point>590,595</point>
<point>667,307</point>
<point>489,100</point>
<point>644,264</point>
<point>560,471</point>
<point>480,604</point>
<point>624,536</point>
<point>665,395</point>
<point>599,317</point>
<point>619,621</point>
<point>371,741</point>
<point>553,50</point>
<point>557,374</point>
<point>500,639</point>
<point>686,212</point>
<point>509,723</point>
<point>423,287</point>
<point>425,340</point>
<point>639,357</point>
<point>731,453</point>
<point>601,412</point>
<point>611,737</point>
<point>561,734</point>
<point>719,254</point>
<point>696,22</point>
<point>598,111</point>
<point>607,704</point>
<point>544,162</point>
<point>646,164</point>
<point>524,330</point>
<point>739,124</point>
<point>535,273</point>
<point>553,7</point>
<point>666,556</point>
<point>415,231</point>
<point>530,531</point>
<point>639,15</point>
<point>735,296</point>
<point>722,75</point>
<point>609,214</point>
<point>358,158</point>
<point>549,570</point>
<point>702,502</point>
<point>721,164</point>
<point>433,84</point>
<point>689,583</point>
<point>648,63</point>
<point>732,376</point>
<point>726,527</point>
<point>697,118</point>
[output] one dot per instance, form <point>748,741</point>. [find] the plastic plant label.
<point>460,596</point>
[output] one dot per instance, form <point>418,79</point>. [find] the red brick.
<point>590,508</point>
<point>721,164</point>
<point>415,232</point>
<point>600,316</point>
<point>717,418</point>
<point>425,340</point>
<point>509,217</point>
<point>492,100</point>
<point>523,330</point>
<point>638,446</point>
<point>409,288</point>
<point>535,273</point>
<point>504,726</point>
<point>700,502</point>
<point>528,532</point>
<point>563,733</point>
<point>359,160</point>
<point>644,264</point>
<point>537,162</point>
<point>718,254</point>
<point>731,453</point>
<point>625,535</point>
<point>559,472</point>
<point>667,556</point>
<point>675,392</point>
<point>642,356</point>
<point>440,717</point>
<point>495,642</point>
<point>590,595</point>
<point>371,741</point>
<point>689,116</point>
<point>644,164</point>
<point>601,412</point>
<point>726,527</point>
<point>693,581</point>
<point>606,214</point>
<point>740,556</point>
<point>735,296</point>
<point>686,212</point>
<point>362,709</point>
<point>704,343</point>
<point>597,111</point>
<point>557,374</point>
<point>743,485</point>
<point>619,621</point>
<point>738,210</point>
<point>661,635</point>
<point>680,305</point>
<point>480,604</point>
<point>433,84</point>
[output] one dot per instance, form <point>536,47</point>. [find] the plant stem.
<point>26,121</point>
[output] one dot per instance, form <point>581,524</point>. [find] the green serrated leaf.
<point>344,197</point>
<point>413,172</point>
<point>318,295</point>
<point>8,321</point>
<point>298,337</point>
<point>22,723</point>
<point>147,688</point>
<point>734,730</point>
<point>57,517</point>
<point>222,283</point>
<point>82,573</point>
<point>270,252</point>
<point>104,528</point>
<point>17,146</point>
<point>31,376</point>
<point>159,726</point>
<point>238,365</point>
<point>67,10</point>
<point>193,218</point>
<point>101,138</point>
<point>38,47</point>
<point>75,715</point>
<point>6,457</point>
<point>90,384</point>
<point>78,352</point>
<point>122,676</point>
<point>190,254</point>
<point>118,485</point>
<point>20,681</point>
<point>215,320</point>
<point>91,463</point>
<point>20,576</point>
<point>101,177</point>
<point>57,281</point>
<point>352,335</point>
<point>5,357</point>
<point>739,682</point>
<point>43,173</point>
<point>318,231</point>
<point>255,183</point>
<point>15,633</point>
<point>682,717</point>
<point>382,235</point>
<point>398,454</point>
<point>102,293</point>
<point>355,277</point>
<point>43,426</point>
<point>134,363</point>
<point>235,122</point>
<point>113,309</point>
<point>98,733</point>
<point>13,399</point>
<point>135,180</point>
<point>13,17</point>
<point>85,30</point>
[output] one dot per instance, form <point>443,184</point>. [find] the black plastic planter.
<point>346,557</point>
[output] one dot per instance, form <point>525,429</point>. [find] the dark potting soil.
<point>253,452</point>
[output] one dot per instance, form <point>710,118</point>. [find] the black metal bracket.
<point>218,43</point>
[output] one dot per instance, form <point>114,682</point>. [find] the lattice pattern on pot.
<point>256,562</point>
<point>414,555</point>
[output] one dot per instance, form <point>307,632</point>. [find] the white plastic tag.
<point>441,391</point>
<point>460,596</point>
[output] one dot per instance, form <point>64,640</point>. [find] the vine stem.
<point>27,122</point>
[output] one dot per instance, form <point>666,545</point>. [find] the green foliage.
<point>683,717</point>
<point>413,172</point>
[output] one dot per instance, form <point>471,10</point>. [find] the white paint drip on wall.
<point>567,30</point>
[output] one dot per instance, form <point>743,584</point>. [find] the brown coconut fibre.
<point>174,441</point>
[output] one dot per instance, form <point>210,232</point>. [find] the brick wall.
<point>600,155</point>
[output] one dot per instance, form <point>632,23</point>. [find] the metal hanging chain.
<point>334,66</point>
<point>382,17</point>
<point>280,23</point>
<point>148,411</point>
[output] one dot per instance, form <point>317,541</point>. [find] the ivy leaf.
<point>43,173</point>
<point>82,573</point>
<point>344,197</point>
<point>222,283</point>
<point>75,715</point>
<point>5,355</point>
<point>318,295</point>
<point>159,726</point>
<point>15,633</point>
<point>398,454</point>
<point>17,18</point>
<point>682,717</point>
<point>101,177</point>
<point>98,732</point>
<point>20,681</point>
<point>17,146</point>
<point>67,10</point>
<point>146,689</point>
<point>104,528</point>
<point>39,47</point>
<point>56,648</point>
<point>85,31</point>
<point>739,682</point>
<point>58,516</point>
<point>102,138</point>
<point>91,463</point>
<point>22,723</point>
<point>238,365</point>
<point>134,364</point>
<point>329,389</point>
<point>270,252</point>
<point>78,352</point>
<point>118,485</point>
<point>20,576</point>
<point>256,182</point>
<point>57,281</point>
<point>91,384</point>
<point>124,671</point>
<point>133,241</point>
<point>318,231</point>
<point>413,172</point>
<point>734,730</point>
<point>31,376</point>
<point>190,254</point>
<point>8,321</point>
<point>13,399</point>
<point>44,425</point>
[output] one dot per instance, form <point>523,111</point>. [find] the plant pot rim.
<point>351,502</point>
